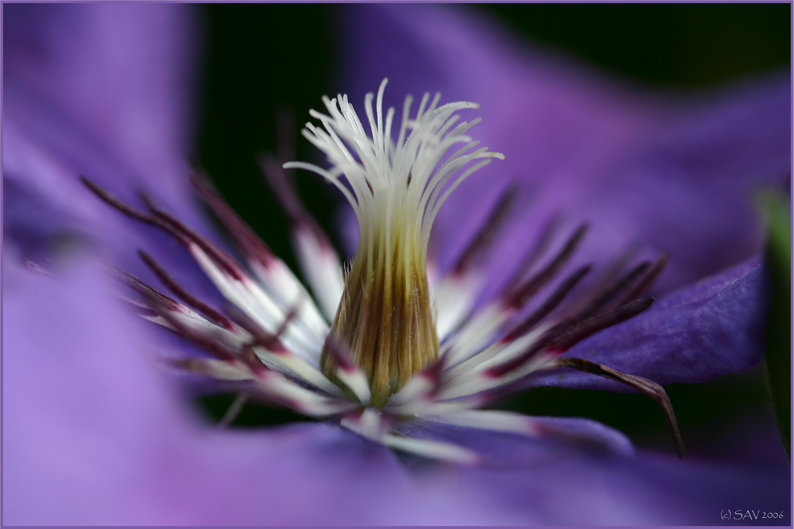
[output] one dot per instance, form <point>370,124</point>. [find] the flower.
<point>402,351</point>
<point>127,448</point>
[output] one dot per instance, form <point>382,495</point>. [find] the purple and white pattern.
<point>95,432</point>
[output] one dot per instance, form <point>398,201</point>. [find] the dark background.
<point>264,58</point>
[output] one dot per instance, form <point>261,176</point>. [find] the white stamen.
<point>322,269</point>
<point>432,449</point>
<point>500,421</point>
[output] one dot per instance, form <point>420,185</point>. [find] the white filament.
<point>395,188</point>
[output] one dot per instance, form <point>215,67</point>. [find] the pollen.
<point>385,321</point>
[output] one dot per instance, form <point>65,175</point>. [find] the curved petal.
<point>94,434</point>
<point>531,441</point>
<point>706,330</point>
<point>45,202</point>
<point>85,417</point>
<point>321,474</point>
<point>553,484</point>
<point>644,490</point>
<point>119,72</point>
<point>557,124</point>
<point>690,192</point>
<point>99,90</point>
<point>675,176</point>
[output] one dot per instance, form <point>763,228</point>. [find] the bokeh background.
<point>264,59</point>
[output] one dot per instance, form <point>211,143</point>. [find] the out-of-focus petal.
<point>87,417</point>
<point>558,124</point>
<point>555,484</point>
<point>669,174</point>
<point>101,90</point>
<point>706,330</point>
<point>691,191</point>
<point>94,434</point>
<point>44,201</point>
<point>321,474</point>
<point>647,490</point>
<point>120,72</point>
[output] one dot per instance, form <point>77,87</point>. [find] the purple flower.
<point>96,434</point>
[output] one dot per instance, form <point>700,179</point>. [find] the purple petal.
<point>553,435</point>
<point>646,490</point>
<point>551,484</point>
<point>95,434</point>
<point>558,125</point>
<point>99,90</point>
<point>690,192</point>
<point>706,330</point>
<point>320,474</point>
<point>672,175</point>
<point>86,416</point>
<point>47,202</point>
<point>119,72</point>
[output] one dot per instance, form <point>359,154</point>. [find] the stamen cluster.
<point>384,321</point>
<point>403,349</point>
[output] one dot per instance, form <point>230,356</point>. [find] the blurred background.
<point>263,59</point>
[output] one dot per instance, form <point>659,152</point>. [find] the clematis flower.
<point>401,351</point>
<point>95,432</point>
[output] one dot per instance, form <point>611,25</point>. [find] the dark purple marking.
<point>272,342</point>
<point>537,250</point>
<point>339,354</point>
<point>221,258</point>
<point>158,302</point>
<point>603,294</point>
<point>641,284</point>
<point>486,235</point>
<point>576,334</point>
<point>203,340</point>
<point>245,237</point>
<point>150,294</point>
<point>434,372</point>
<point>128,210</point>
<point>281,184</point>
<point>170,225</point>
<point>506,367</point>
<point>549,305</point>
<point>521,294</point>
<point>568,333</point>
<point>192,301</point>
<point>254,362</point>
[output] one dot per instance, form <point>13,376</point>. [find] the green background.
<point>264,58</point>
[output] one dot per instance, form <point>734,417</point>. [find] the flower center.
<point>385,323</point>
<point>384,320</point>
